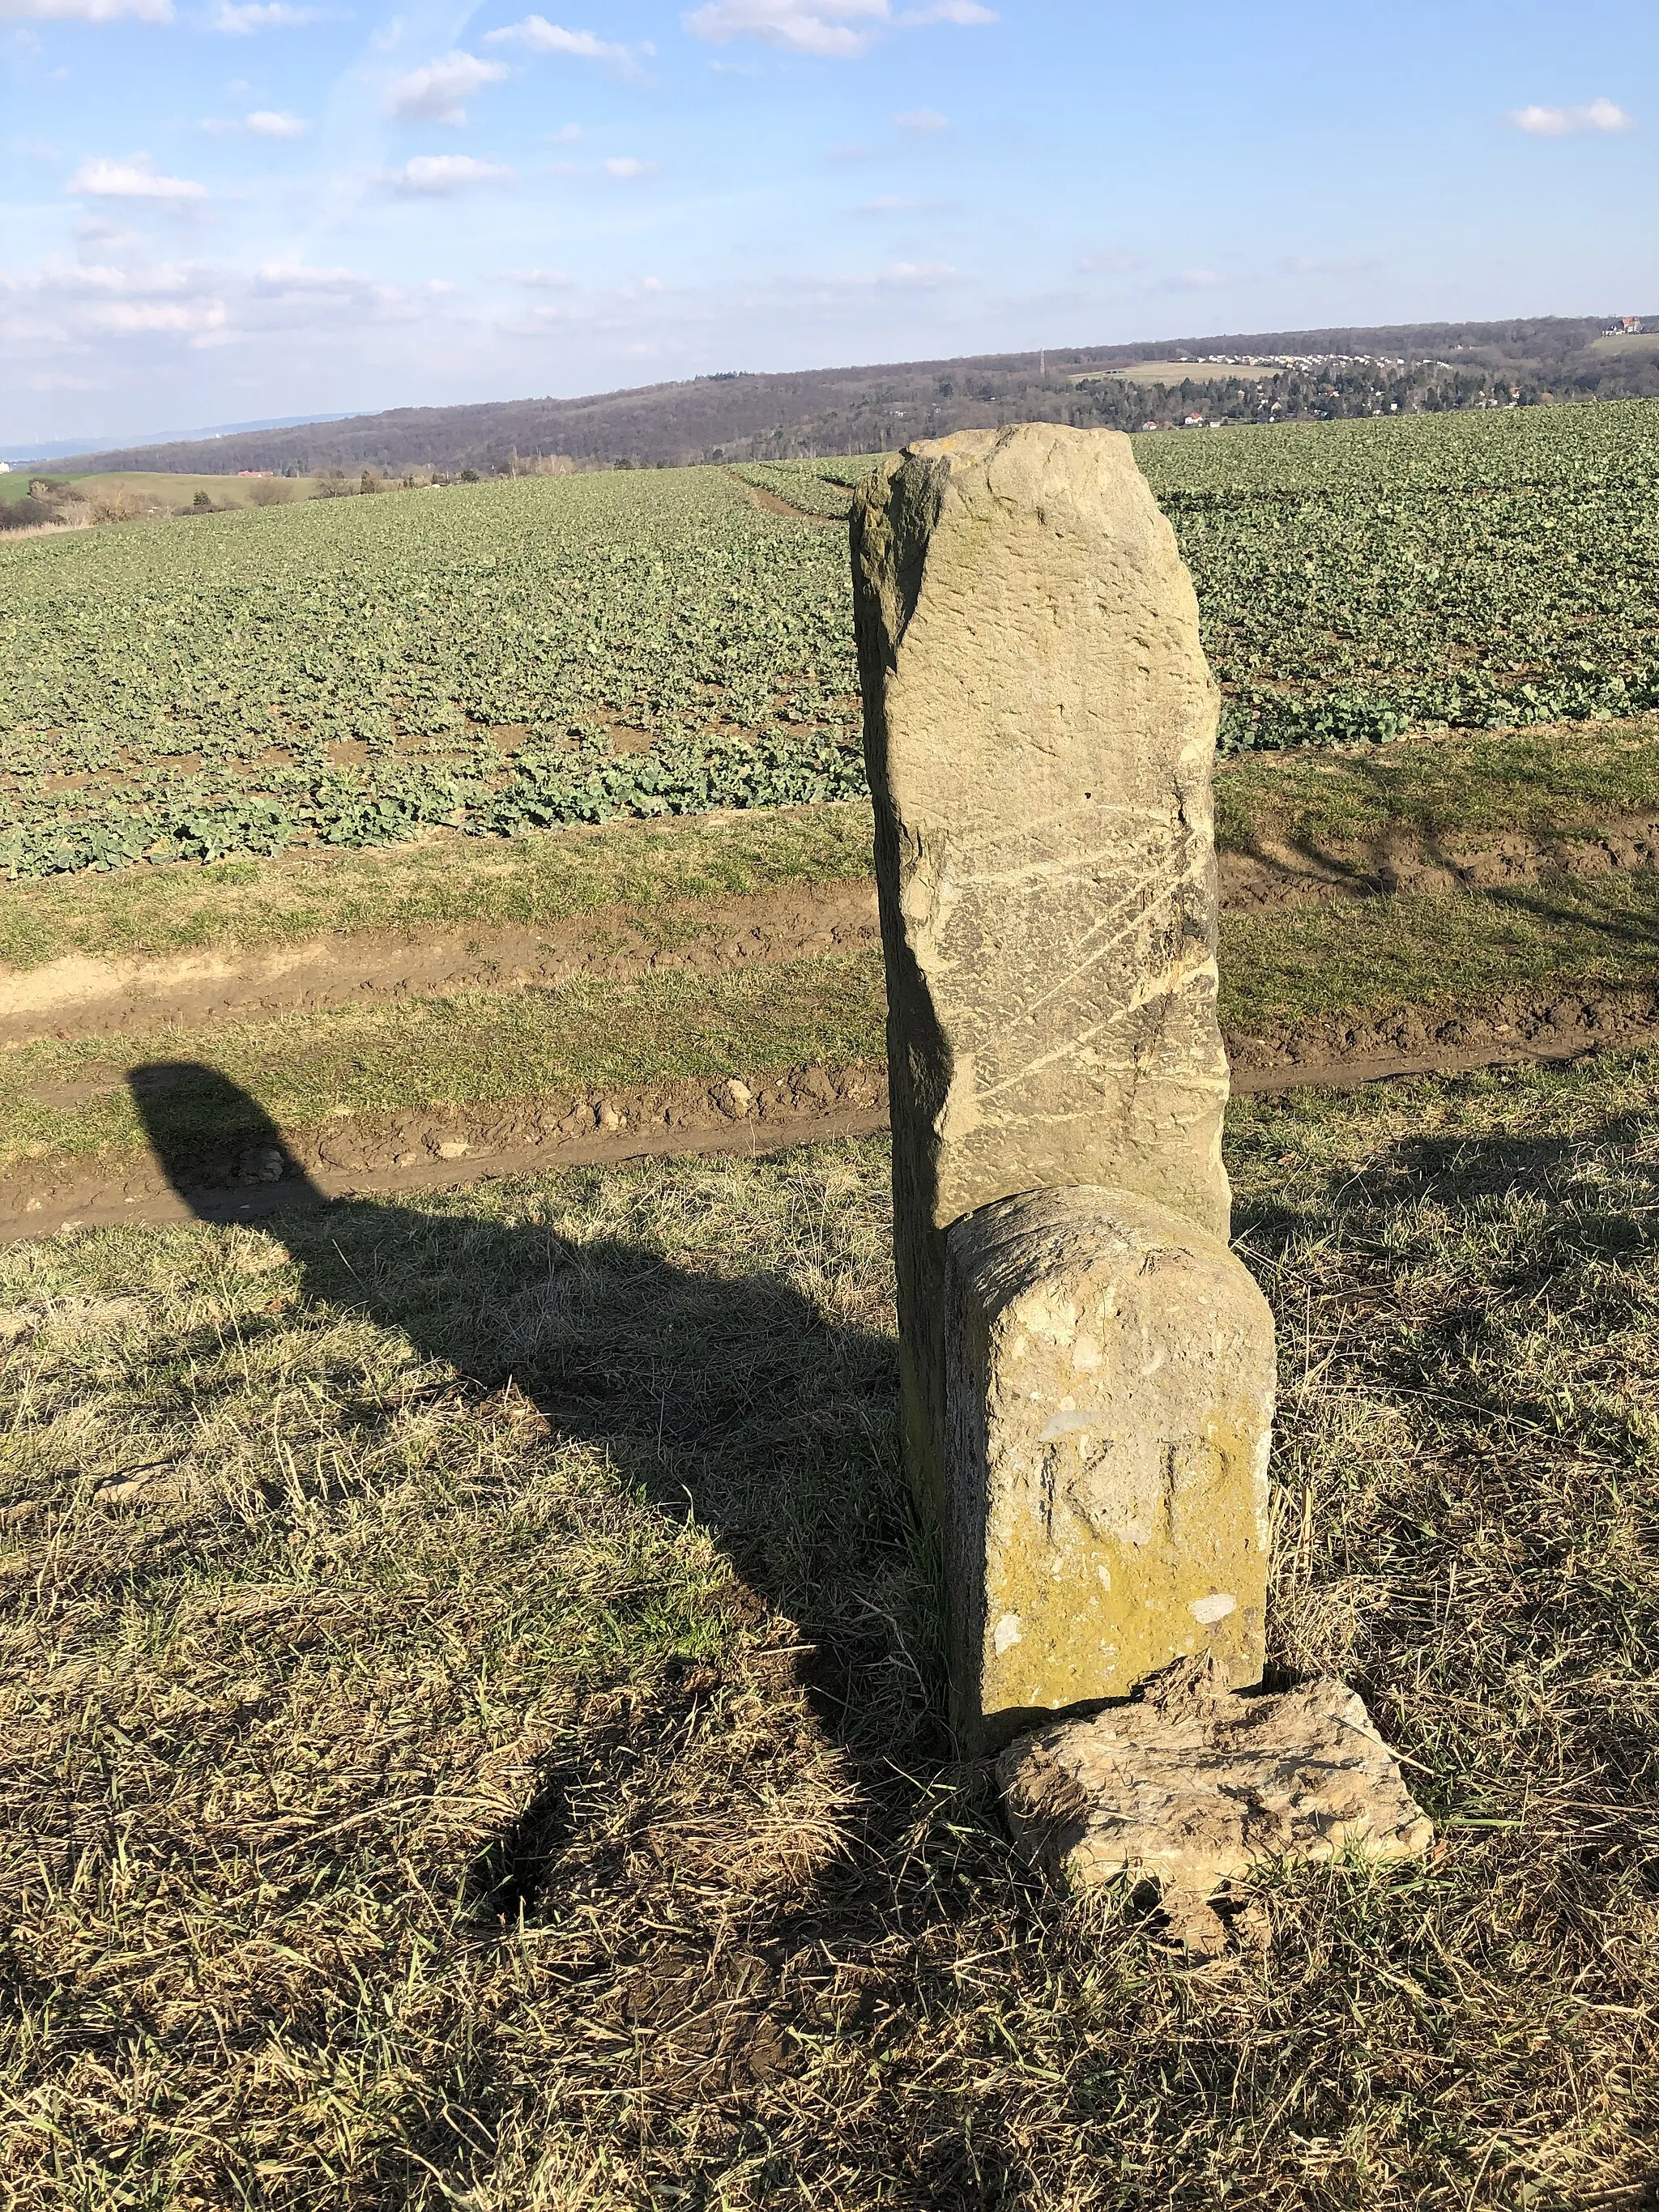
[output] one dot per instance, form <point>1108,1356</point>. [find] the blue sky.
<point>215,211</point>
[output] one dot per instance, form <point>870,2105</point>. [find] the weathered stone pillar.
<point>1040,725</point>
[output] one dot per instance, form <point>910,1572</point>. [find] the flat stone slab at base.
<point>1193,1786</point>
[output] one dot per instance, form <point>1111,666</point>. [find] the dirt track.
<point>85,997</point>
<point>394,1155</point>
<point>81,998</point>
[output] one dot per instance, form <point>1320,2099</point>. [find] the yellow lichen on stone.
<point>1110,1374</point>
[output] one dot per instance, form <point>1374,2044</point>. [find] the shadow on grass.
<point>843,2039</point>
<point>1366,864</point>
<point>728,1396</point>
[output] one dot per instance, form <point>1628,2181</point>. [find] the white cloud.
<point>538,36</point>
<point>836,30</point>
<point>132,315</point>
<point>1561,122</point>
<point>922,121</point>
<point>438,173</point>
<point>133,179</point>
<point>263,123</point>
<point>625,165</point>
<point>287,295</point>
<point>825,28</point>
<point>438,92</point>
<point>85,11</point>
<point>242,20</point>
<point>292,281</point>
<point>97,233</point>
<point>72,281</point>
<point>139,323</point>
<point>540,280</point>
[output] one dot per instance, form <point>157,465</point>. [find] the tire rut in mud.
<point>440,1149</point>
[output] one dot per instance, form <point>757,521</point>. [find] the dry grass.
<point>430,1789</point>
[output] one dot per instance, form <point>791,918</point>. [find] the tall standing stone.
<point>1040,726</point>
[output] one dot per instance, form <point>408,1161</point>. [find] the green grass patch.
<point>1369,956</point>
<point>424,1791</point>
<point>541,878</point>
<point>1560,782</point>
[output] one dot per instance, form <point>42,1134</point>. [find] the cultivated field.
<point>349,671</point>
<point>470,1705</point>
<point>508,656</point>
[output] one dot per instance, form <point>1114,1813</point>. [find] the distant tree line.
<point>737,416</point>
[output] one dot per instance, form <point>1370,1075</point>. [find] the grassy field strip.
<point>529,882</point>
<point>81,998</point>
<point>471,1711</point>
<point>1564,965</point>
<point>1340,811</point>
<point>154,488</point>
<point>1284,972</point>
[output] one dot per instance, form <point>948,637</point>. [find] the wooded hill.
<point>741,417</point>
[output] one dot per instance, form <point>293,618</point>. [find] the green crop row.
<point>1357,580</point>
<point>495,658</point>
<point>508,656</point>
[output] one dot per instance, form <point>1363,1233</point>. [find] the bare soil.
<point>77,997</point>
<point>770,504</point>
<point>1342,1051</point>
<point>442,1148</point>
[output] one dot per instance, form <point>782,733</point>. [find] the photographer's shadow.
<point>726,1394</point>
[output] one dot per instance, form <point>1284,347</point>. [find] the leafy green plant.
<point>538,651</point>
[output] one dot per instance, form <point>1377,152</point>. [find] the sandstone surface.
<point>1039,726</point>
<point>1110,1381</point>
<point>1194,1787</point>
